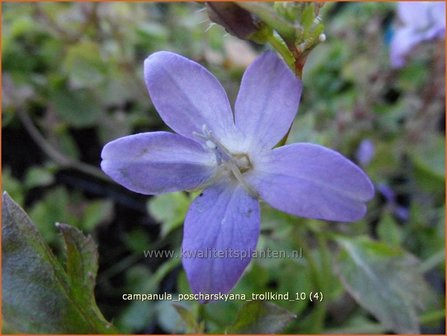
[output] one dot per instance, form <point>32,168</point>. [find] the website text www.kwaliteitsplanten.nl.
<point>227,253</point>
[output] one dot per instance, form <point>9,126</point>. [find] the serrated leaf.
<point>260,317</point>
<point>39,295</point>
<point>81,260</point>
<point>385,280</point>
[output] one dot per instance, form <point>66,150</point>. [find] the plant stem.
<point>319,277</point>
<point>53,153</point>
<point>324,276</point>
<point>433,261</point>
<point>119,267</point>
<point>432,316</point>
<point>281,47</point>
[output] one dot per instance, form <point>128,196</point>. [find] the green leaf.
<point>79,108</point>
<point>267,14</point>
<point>81,261</point>
<point>38,177</point>
<point>302,283</point>
<point>168,318</point>
<point>136,317</point>
<point>84,66</point>
<point>429,161</point>
<point>385,280</point>
<point>13,185</point>
<point>137,240</point>
<point>260,317</point>
<point>255,279</point>
<point>169,209</point>
<point>95,213</point>
<point>49,210</point>
<point>39,295</point>
<point>389,231</point>
<point>308,16</point>
<point>137,314</point>
<point>188,317</point>
<point>358,325</point>
<point>65,143</point>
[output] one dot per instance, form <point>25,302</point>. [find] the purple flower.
<point>365,152</point>
<point>420,21</point>
<point>230,156</point>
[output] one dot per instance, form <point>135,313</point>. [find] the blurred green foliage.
<point>72,72</point>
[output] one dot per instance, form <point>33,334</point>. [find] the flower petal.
<point>413,13</point>
<point>267,101</point>
<point>157,162</point>
<point>311,181</point>
<point>422,21</point>
<point>187,96</point>
<point>223,220</point>
<point>421,15</point>
<point>402,43</point>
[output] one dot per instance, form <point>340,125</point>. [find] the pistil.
<point>235,164</point>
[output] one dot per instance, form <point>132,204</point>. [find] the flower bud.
<point>236,20</point>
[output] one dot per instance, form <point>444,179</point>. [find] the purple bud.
<point>365,152</point>
<point>236,20</point>
<point>388,193</point>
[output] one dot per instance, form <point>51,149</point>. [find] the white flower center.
<point>234,165</point>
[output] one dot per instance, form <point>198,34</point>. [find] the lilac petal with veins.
<point>311,181</point>
<point>187,96</point>
<point>267,102</point>
<point>223,218</point>
<point>157,162</point>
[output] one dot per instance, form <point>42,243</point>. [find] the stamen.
<point>235,164</point>
<point>238,175</point>
<point>222,153</point>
